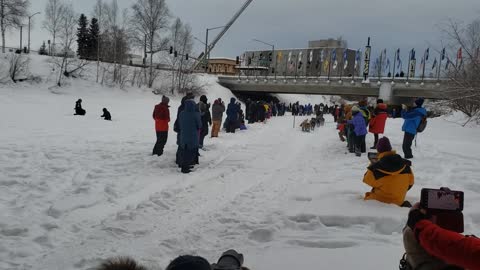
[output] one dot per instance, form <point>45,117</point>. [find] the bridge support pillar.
<point>386,93</point>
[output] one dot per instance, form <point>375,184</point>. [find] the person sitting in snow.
<point>78,108</point>
<point>106,115</point>
<point>390,178</point>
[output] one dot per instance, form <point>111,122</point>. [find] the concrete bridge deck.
<point>400,88</point>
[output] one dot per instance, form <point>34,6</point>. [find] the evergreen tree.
<point>93,36</point>
<point>43,49</point>
<point>82,37</point>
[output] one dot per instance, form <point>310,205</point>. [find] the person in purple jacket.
<point>360,130</point>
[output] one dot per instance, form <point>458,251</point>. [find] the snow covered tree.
<point>82,37</point>
<point>53,16</point>
<point>11,14</point>
<point>93,36</point>
<point>149,18</point>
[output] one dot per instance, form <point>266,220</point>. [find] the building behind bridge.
<point>316,60</point>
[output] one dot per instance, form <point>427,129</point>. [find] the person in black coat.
<point>106,115</point>
<point>78,108</point>
<point>204,108</point>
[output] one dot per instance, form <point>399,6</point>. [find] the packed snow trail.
<point>76,190</point>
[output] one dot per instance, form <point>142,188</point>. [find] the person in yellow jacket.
<point>390,177</point>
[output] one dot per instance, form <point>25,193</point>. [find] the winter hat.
<point>165,100</point>
<point>419,102</point>
<point>204,99</point>
<point>188,262</point>
<point>384,145</point>
<point>230,259</point>
<point>379,101</point>
<point>355,109</point>
<point>362,103</point>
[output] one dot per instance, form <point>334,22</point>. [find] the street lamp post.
<point>206,46</point>
<point>29,25</point>
<point>273,53</point>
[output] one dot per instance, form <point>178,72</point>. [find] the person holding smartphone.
<point>429,246</point>
<point>390,177</point>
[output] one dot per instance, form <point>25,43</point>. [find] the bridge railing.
<point>331,80</point>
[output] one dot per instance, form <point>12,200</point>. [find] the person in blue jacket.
<point>360,130</point>
<point>412,117</point>
<point>190,125</point>
<point>232,115</point>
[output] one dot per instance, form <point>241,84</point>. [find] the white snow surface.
<point>76,190</point>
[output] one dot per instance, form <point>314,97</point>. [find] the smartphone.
<point>372,156</point>
<point>445,208</point>
<point>441,199</point>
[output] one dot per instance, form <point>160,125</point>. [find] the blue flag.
<point>387,67</point>
<point>443,54</point>
<point>412,54</point>
<point>427,54</point>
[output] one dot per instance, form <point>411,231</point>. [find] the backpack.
<point>423,125</point>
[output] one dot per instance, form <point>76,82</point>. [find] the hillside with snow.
<point>76,190</point>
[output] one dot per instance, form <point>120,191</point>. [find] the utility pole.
<point>207,52</point>
<point>21,37</point>
<point>29,26</point>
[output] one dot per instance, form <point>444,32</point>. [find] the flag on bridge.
<point>387,66</point>
<point>345,59</point>
<point>434,63</point>
<point>279,56</point>
<point>334,59</point>
<point>422,63</point>
<point>448,63</point>
<point>357,58</point>
<point>427,54</point>
<point>459,54</point>
<point>443,54</point>
<point>326,64</point>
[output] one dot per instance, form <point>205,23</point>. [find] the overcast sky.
<point>291,23</point>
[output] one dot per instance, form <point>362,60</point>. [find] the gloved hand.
<point>414,217</point>
<point>404,107</point>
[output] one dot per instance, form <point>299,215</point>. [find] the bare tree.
<point>53,19</point>
<point>463,89</point>
<point>149,18</point>
<point>18,66</point>
<point>67,64</point>
<point>99,14</point>
<point>11,14</point>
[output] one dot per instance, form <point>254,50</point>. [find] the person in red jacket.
<point>377,123</point>
<point>450,247</point>
<point>161,115</point>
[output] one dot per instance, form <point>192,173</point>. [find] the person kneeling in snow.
<point>390,178</point>
<point>106,115</point>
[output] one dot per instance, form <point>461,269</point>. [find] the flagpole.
<point>366,68</point>
<point>296,66</point>
<point>408,67</point>
<point>394,64</point>
<point>424,65</point>
<point>343,63</point>
<point>321,65</point>
<point>329,67</point>
<point>439,68</point>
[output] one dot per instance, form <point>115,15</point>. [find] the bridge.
<point>397,91</point>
